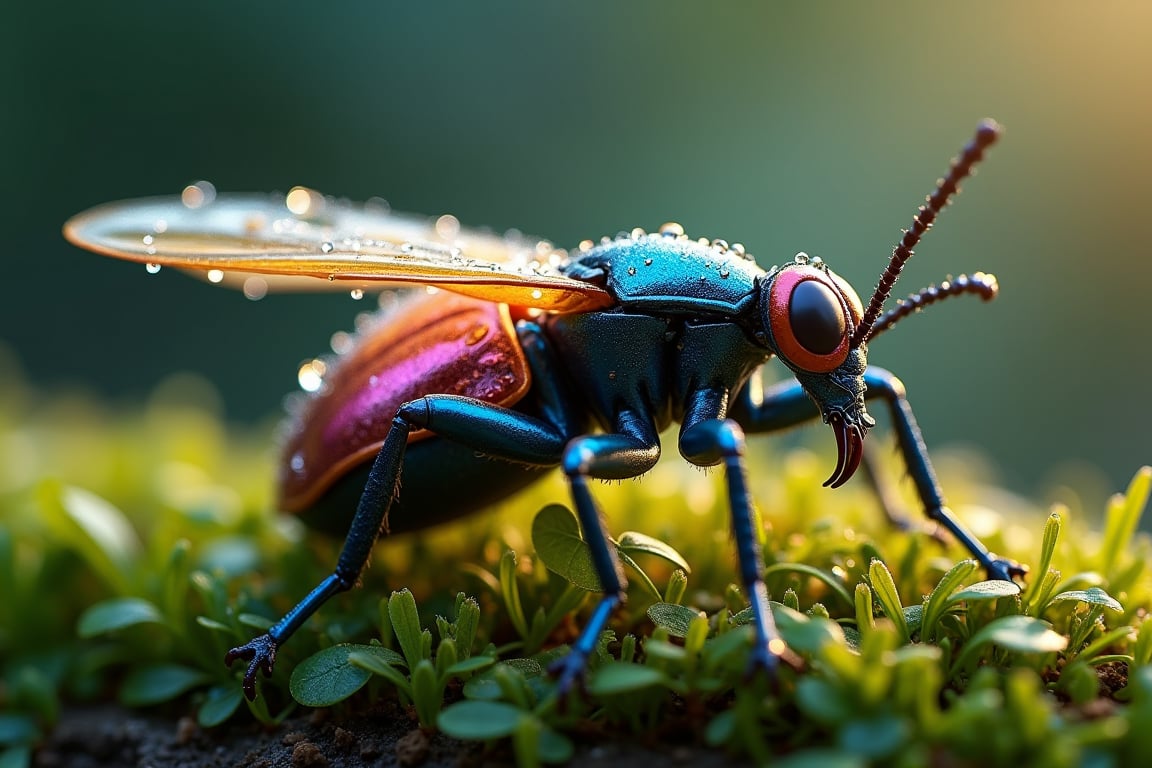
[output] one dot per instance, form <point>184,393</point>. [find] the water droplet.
<point>327,246</point>
<point>311,375</point>
<point>721,244</point>
<point>647,262</point>
<point>448,227</point>
<point>341,342</point>
<point>631,270</point>
<point>302,201</point>
<point>255,288</point>
<point>160,226</point>
<point>373,380</point>
<point>296,463</point>
<point>198,194</point>
<point>356,294</point>
<point>537,294</point>
<point>585,246</point>
<point>431,290</point>
<point>215,275</point>
<point>147,239</point>
<point>638,232</point>
<point>724,273</point>
<point>671,229</point>
<point>152,268</point>
<point>801,258</point>
<point>739,249</point>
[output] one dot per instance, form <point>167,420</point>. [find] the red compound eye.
<point>810,318</point>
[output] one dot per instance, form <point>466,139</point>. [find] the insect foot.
<point>262,653</point>
<point>1005,569</point>
<point>570,670</point>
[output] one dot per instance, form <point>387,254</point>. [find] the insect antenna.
<point>983,285</point>
<point>986,135</point>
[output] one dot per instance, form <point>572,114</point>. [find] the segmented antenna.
<point>986,135</point>
<point>980,283</point>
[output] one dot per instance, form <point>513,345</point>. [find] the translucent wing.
<point>305,241</point>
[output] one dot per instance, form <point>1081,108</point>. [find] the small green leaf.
<point>616,678</point>
<point>1022,634</point>
<point>633,542</point>
<point>1092,596</point>
<point>118,613</point>
<point>556,537</point>
<point>474,664</point>
<point>885,588</point>
<point>159,682</point>
<point>985,590</point>
<point>329,676</point>
<point>833,583</point>
<point>480,720</point>
<point>380,665</point>
<point>406,624</point>
<point>220,703</point>
<point>675,618</point>
<point>427,695</point>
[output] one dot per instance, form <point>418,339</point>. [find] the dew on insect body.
<point>151,268</point>
<point>327,246</point>
<point>311,375</point>
<point>631,271</point>
<point>448,227</point>
<point>147,239</point>
<point>215,275</point>
<point>724,273</point>
<point>647,262</point>
<point>671,229</point>
<point>302,201</point>
<point>255,288</point>
<point>585,246</point>
<point>341,342</point>
<point>356,294</point>
<point>160,226</point>
<point>373,380</point>
<point>537,294</point>
<point>296,463</point>
<point>198,194</point>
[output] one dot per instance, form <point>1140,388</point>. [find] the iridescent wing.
<point>306,241</point>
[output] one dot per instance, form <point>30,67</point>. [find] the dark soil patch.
<point>97,736</point>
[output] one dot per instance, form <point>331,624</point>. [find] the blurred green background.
<point>787,127</point>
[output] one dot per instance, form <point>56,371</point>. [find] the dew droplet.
<point>448,227</point>
<point>160,226</point>
<point>311,375</point>
<point>302,201</point>
<point>373,380</point>
<point>537,294</point>
<point>638,232</point>
<point>647,262</point>
<point>327,246</point>
<point>631,270</point>
<point>724,273</point>
<point>151,268</point>
<point>198,194</point>
<point>341,342</point>
<point>671,229</point>
<point>255,288</point>
<point>215,275</point>
<point>296,463</point>
<point>147,239</point>
<point>585,246</point>
<point>356,294</point>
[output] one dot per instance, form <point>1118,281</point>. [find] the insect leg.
<point>631,451</point>
<point>704,437</point>
<point>787,404</point>
<point>498,432</point>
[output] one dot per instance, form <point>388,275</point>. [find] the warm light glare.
<point>302,201</point>
<point>198,194</point>
<point>311,375</point>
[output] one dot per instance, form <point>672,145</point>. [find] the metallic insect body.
<point>544,359</point>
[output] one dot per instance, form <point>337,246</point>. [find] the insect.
<point>539,358</point>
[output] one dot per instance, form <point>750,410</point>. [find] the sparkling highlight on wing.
<point>306,241</point>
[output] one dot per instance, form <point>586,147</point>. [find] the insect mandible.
<point>540,358</point>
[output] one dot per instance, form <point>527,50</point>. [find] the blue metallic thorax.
<point>671,275</point>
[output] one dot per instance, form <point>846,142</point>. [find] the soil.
<point>112,736</point>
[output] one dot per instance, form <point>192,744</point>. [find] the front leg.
<point>787,404</point>
<point>704,439</point>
